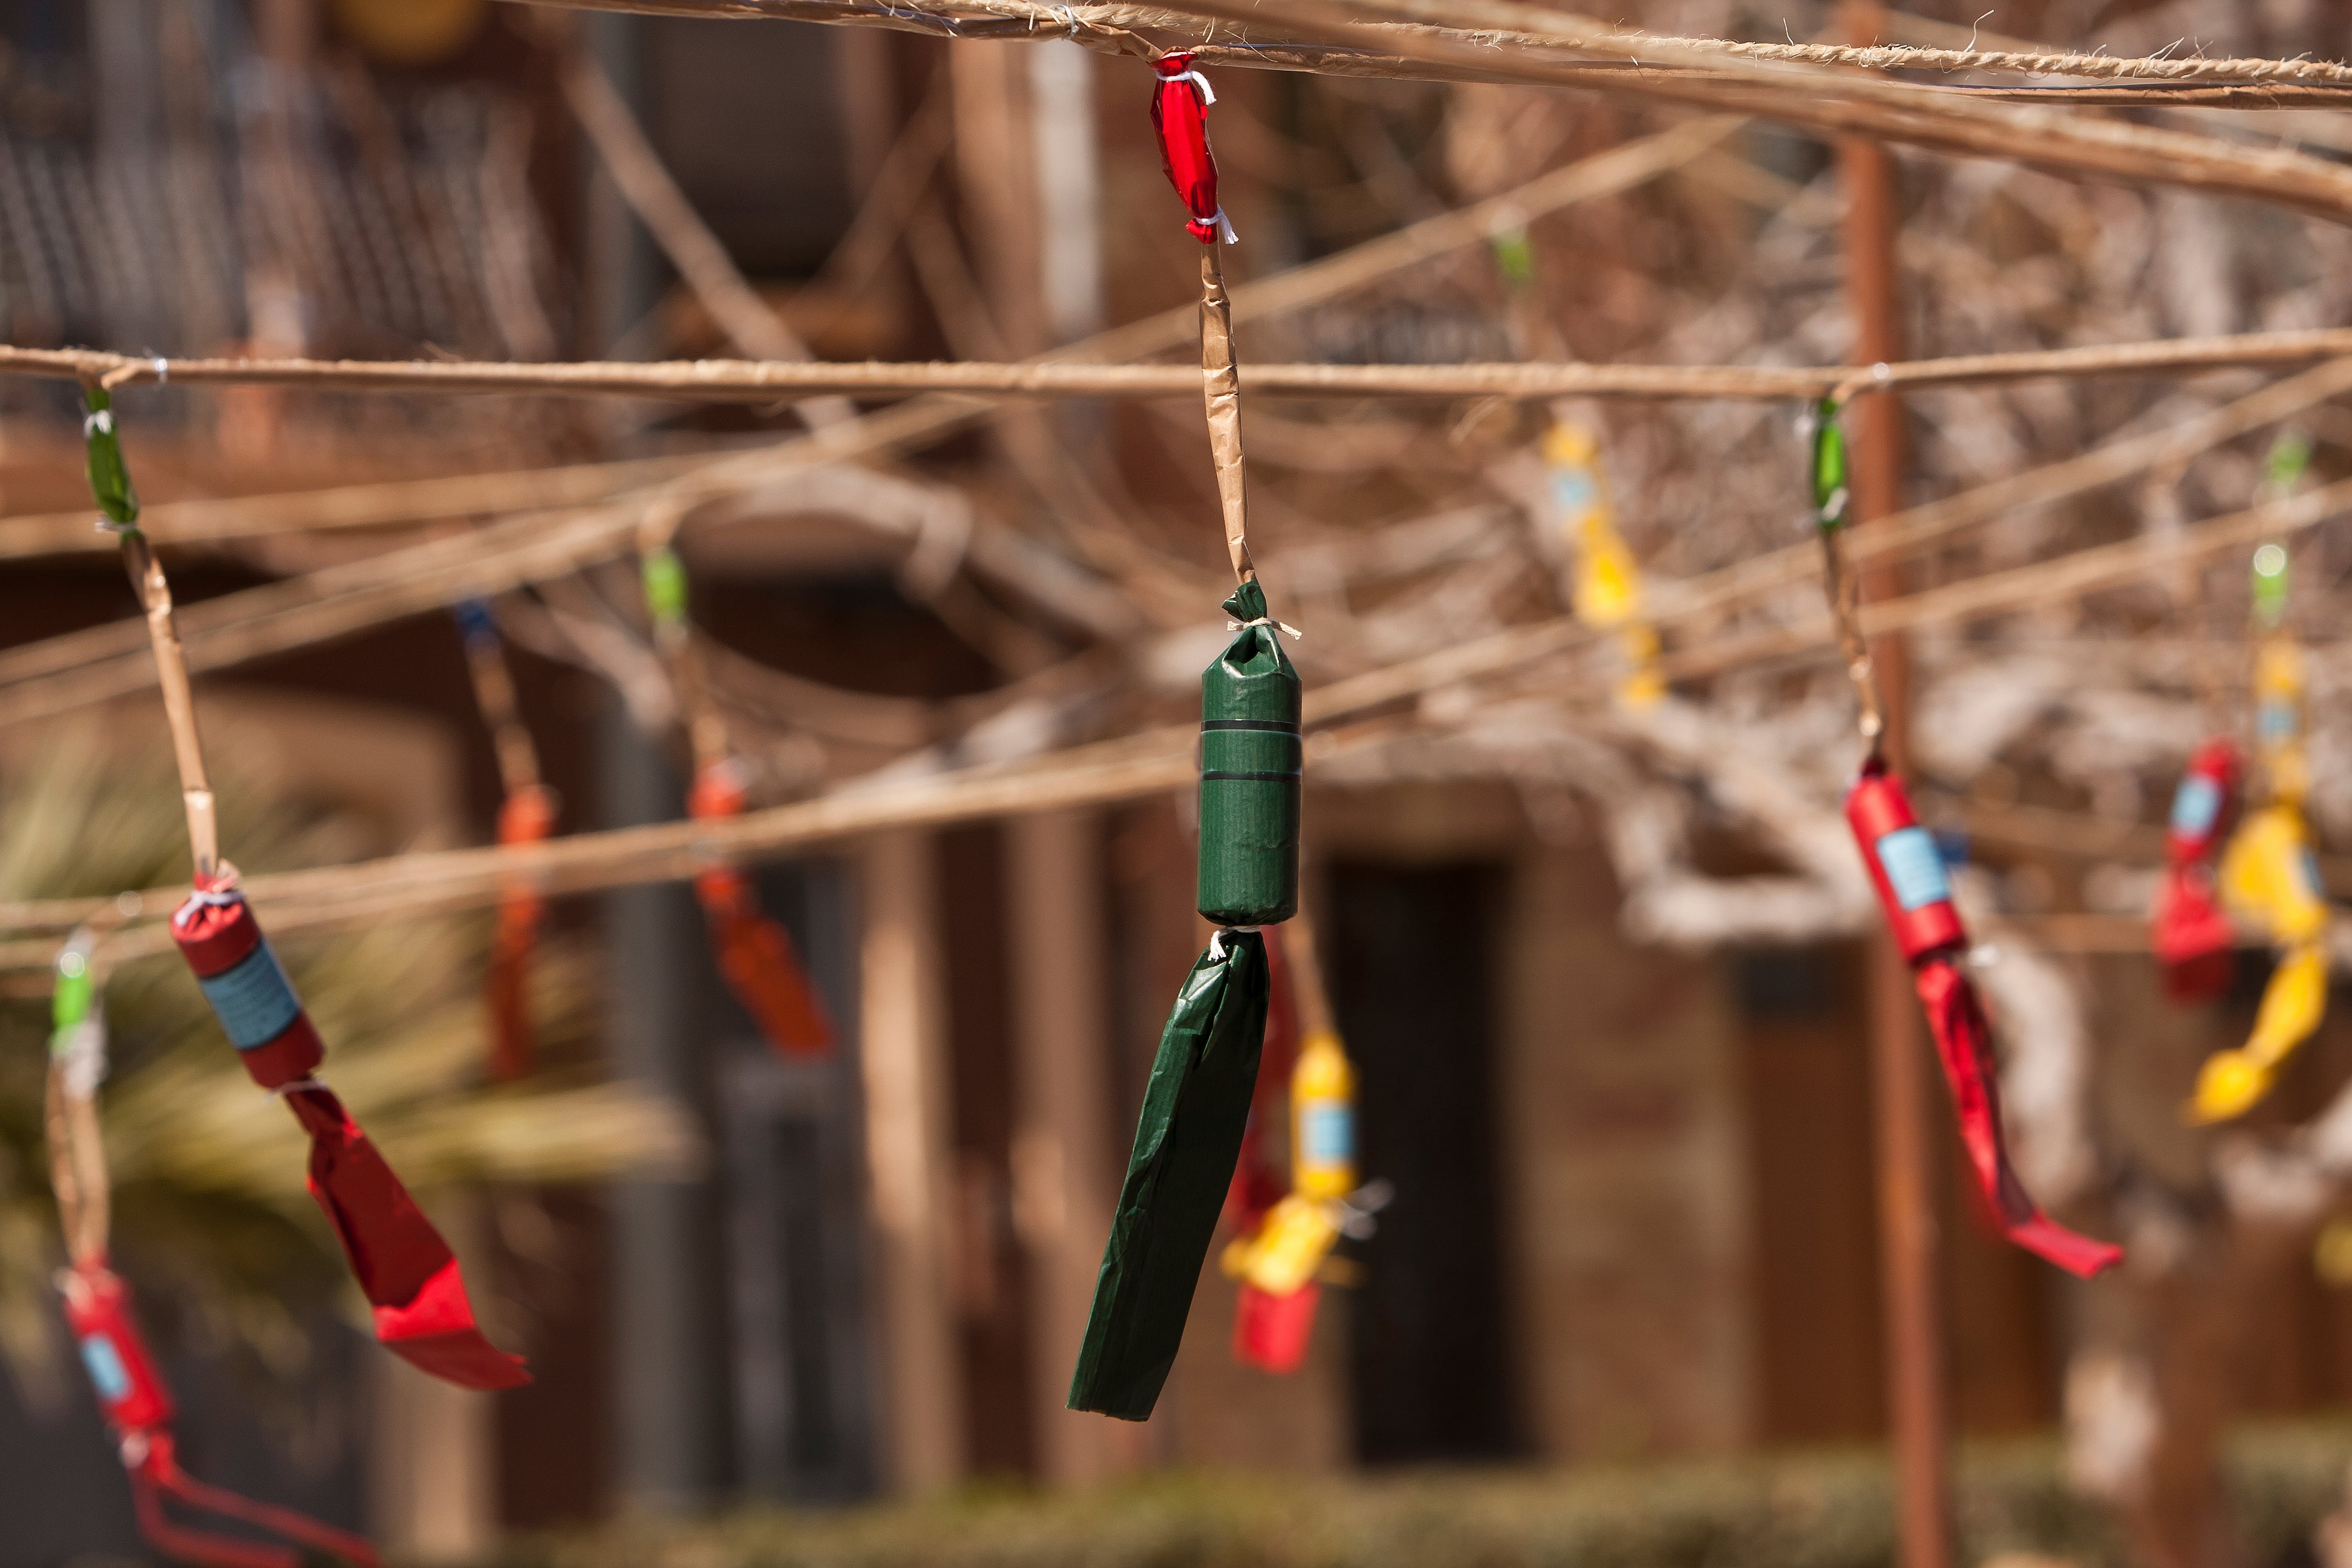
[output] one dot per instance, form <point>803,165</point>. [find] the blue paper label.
<point>2309,861</point>
<point>2196,806</point>
<point>106,1371</point>
<point>2274,722</point>
<point>1326,1131</point>
<point>1914,867</point>
<point>254,1000</point>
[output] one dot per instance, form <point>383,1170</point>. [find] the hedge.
<point>1826,1509</point>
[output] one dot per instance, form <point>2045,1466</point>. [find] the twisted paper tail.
<point>160,1476</point>
<point>755,954</point>
<point>405,1268</point>
<point>1964,1042</point>
<point>762,970</point>
<point>2231,1083</point>
<point>1186,1141</point>
<point>527,817</point>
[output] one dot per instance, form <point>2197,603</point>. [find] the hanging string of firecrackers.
<point>1906,867</point>
<point>1196,1104</point>
<point>2269,879</point>
<point>755,954</point>
<point>1283,1258</point>
<point>1606,592</point>
<point>409,1275</point>
<point>131,1390</point>
<point>2192,934</point>
<point>526,815</point>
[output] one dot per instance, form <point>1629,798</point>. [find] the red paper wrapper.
<point>527,817</point>
<point>755,954</point>
<point>2195,943</point>
<point>1179,102</point>
<point>405,1269</point>
<point>2193,939</point>
<point>1907,869</point>
<point>1259,1184</point>
<point>138,1407</point>
<point>1271,1333</point>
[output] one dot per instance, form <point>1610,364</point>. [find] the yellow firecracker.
<point>1322,1120</point>
<point>1607,591</point>
<point>2269,878</point>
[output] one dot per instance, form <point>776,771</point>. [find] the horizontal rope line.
<point>759,381</point>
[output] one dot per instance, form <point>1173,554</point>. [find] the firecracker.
<point>2269,877</point>
<point>755,954</point>
<point>1281,1260</point>
<point>1196,1104</point>
<point>407,1272</point>
<point>123,1373</point>
<point>526,815</point>
<point>1606,581</point>
<point>1906,867</point>
<point>2192,937</point>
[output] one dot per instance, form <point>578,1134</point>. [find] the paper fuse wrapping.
<point>1250,757</point>
<point>2192,935</point>
<point>1186,1141</point>
<point>1908,872</point>
<point>407,1271</point>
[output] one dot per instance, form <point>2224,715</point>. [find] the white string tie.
<point>1284,627</point>
<point>205,897</point>
<point>296,1085</point>
<point>1208,93</point>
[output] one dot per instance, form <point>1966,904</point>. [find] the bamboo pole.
<point>1912,1300</point>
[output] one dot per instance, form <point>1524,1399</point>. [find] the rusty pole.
<point>1912,1303</point>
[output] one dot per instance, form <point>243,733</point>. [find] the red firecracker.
<point>138,1408</point>
<point>1180,104</point>
<point>2192,937</point>
<point>755,954</point>
<point>405,1268</point>
<point>527,817</point>
<point>1907,869</point>
<point>1272,1332</point>
<point>1259,1183</point>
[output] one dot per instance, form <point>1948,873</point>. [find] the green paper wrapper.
<point>109,476</point>
<point>1249,774</point>
<point>1185,1145</point>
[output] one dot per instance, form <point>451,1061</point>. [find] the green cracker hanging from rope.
<point>1197,1103</point>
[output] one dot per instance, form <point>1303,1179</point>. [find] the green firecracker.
<point>1249,774</point>
<point>109,476</point>
<point>1186,1144</point>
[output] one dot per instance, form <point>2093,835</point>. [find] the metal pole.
<point>1898,1050</point>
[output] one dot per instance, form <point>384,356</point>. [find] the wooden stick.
<point>701,261</point>
<point>179,699</point>
<point>1220,394</point>
<point>750,381</point>
<point>1131,766</point>
<point>1121,28</point>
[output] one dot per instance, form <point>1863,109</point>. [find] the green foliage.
<point>1830,1510</point>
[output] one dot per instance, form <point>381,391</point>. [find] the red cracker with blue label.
<point>1907,867</point>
